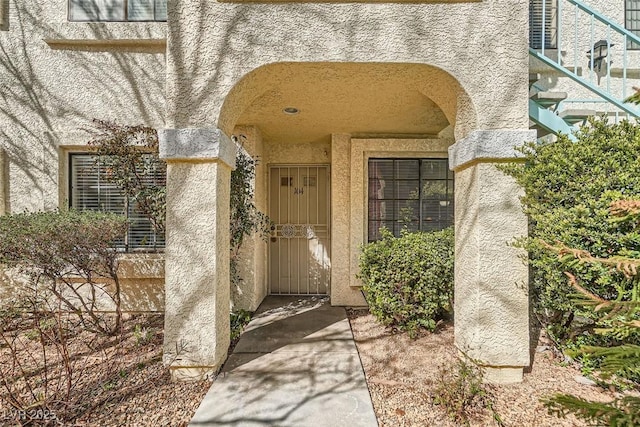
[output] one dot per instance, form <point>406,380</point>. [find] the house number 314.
<point>298,191</point>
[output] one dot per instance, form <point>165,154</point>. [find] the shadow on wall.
<point>47,95</point>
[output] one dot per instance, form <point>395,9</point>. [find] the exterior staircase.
<point>589,32</point>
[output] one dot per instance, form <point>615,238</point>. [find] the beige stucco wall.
<point>239,38</point>
<point>3,181</point>
<point>197,267</point>
<point>141,279</point>
<point>55,76</point>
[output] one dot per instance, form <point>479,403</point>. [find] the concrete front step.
<point>548,98</point>
<point>574,116</point>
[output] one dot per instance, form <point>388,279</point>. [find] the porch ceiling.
<point>341,98</point>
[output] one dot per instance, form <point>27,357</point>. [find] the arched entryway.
<point>331,120</point>
<point>342,116</point>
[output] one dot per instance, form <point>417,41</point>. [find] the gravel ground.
<point>123,381</point>
<point>403,375</point>
<point>118,381</point>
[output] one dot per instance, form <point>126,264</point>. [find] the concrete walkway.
<point>296,364</point>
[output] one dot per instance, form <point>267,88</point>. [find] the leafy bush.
<point>130,154</point>
<point>618,317</point>
<point>68,263</point>
<point>69,258</point>
<point>568,188</point>
<point>245,218</point>
<point>408,281</point>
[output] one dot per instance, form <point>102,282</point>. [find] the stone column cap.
<point>197,144</point>
<point>488,145</point>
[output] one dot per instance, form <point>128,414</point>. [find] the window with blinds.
<point>632,20</point>
<point>90,190</point>
<point>118,10</point>
<point>543,19</point>
<point>416,194</point>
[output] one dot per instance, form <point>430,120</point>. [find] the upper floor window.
<point>416,194</point>
<point>543,23</point>
<point>632,20</point>
<point>117,10</point>
<point>90,190</point>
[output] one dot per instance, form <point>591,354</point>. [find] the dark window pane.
<point>407,190</point>
<point>412,194</point>
<point>632,20</point>
<point>407,169</point>
<point>434,169</point>
<point>161,10</point>
<point>117,10</point>
<point>140,10</point>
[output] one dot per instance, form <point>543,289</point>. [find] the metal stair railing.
<point>594,36</point>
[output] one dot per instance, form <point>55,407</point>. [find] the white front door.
<point>299,247</point>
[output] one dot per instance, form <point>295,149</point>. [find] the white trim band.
<point>196,144</point>
<point>489,145</point>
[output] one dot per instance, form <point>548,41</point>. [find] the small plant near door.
<point>245,218</point>
<point>408,281</point>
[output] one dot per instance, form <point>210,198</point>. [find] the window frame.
<point>126,247</point>
<point>627,25</point>
<point>125,6</point>
<point>448,179</point>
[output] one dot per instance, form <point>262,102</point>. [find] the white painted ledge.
<point>197,144</point>
<point>487,145</point>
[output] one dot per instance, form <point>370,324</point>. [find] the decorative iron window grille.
<point>416,194</point>
<point>117,10</point>
<point>90,191</point>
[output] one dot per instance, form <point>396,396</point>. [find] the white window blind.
<point>416,194</point>
<point>117,10</point>
<point>632,20</point>
<point>140,10</point>
<point>89,190</point>
<point>543,23</point>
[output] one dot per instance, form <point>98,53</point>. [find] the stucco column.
<point>4,179</point>
<point>491,279</point>
<point>196,335</point>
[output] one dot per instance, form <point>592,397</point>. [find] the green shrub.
<point>408,281</point>
<point>568,189</point>
<point>616,362</point>
<point>68,257</point>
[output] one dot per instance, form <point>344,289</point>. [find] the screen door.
<point>299,245</point>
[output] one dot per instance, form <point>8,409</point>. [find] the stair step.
<point>574,116</point>
<point>547,99</point>
<point>534,77</point>
<point>540,131</point>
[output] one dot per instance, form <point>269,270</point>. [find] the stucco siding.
<point>55,77</point>
<point>214,44</point>
<point>49,93</point>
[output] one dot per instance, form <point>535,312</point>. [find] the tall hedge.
<point>408,281</point>
<point>568,189</point>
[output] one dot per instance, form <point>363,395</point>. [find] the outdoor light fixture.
<point>290,110</point>
<point>599,51</point>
